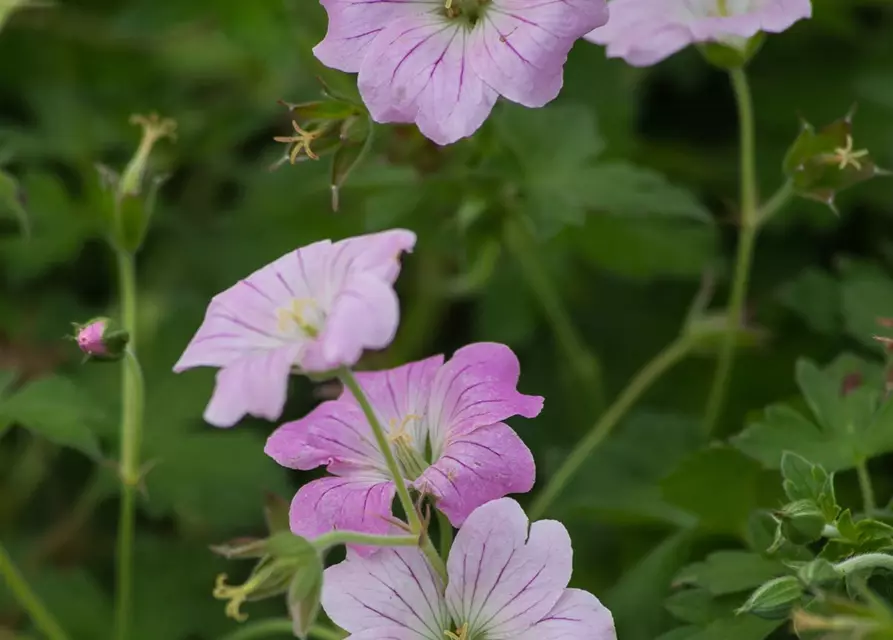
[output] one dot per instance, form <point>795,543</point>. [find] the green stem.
<point>335,538</point>
<point>868,502</point>
<point>643,380</point>
<point>746,242</point>
<point>41,617</point>
<point>865,561</point>
<point>580,357</point>
<point>446,534</point>
<point>776,203</point>
<point>131,436</point>
<point>350,382</point>
<point>279,626</point>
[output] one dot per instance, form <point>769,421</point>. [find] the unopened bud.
<point>99,340</point>
<point>774,599</point>
<point>802,521</point>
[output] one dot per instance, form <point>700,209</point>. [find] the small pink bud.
<point>89,338</point>
<point>99,341</point>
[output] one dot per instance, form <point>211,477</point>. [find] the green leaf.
<point>866,296</point>
<point>815,296</point>
<point>10,196</point>
<point>635,600</point>
<point>725,572</point>
<point>59,410</point>
<point>847,426</point>
<point>698,606</point>
<point>623,189</point>
<point>645,249</point>
<point>721,487</point>
<point>742,627</point>
<point>621,481</point>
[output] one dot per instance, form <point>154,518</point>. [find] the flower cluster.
<point>434,426</point>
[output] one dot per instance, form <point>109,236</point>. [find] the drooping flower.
<point>507,581</point>
<point>316,308</point>
<point>644,32</point>
<point>444,424</point>
<point>443,63</point>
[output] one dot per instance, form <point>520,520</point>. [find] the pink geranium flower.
<point>443,63</point>
<point>507,580</point>
<point>644,32</point>
<point>444,422</point>
<point>316,308</point>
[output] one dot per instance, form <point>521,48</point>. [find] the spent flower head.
<point>444,422</point>
<point>315,309</point>
<point>507,579</point>
<point>443,63</point>
<point>644,32</point>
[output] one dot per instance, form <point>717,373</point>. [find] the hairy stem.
<point>131,437</point>
<point>865,561</point>
<point>350,382</point>
<point>40,615</point>
<point>335,538</point>
<point>746,242</point>
<point>642,381</point>
<point>868,502</point>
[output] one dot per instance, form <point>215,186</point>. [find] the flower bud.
<point>304,594</point>
<point>801,521</point>
<point>774,599</point>
<point>100,341</point>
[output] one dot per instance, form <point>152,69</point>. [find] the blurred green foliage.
<point>628,183</point>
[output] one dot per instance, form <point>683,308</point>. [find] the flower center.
<point>460,634</point>
<point>469,11</point>
<point>722,7</point>
<point>411,460</point>
<point>302,318</point>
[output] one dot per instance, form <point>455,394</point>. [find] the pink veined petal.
<point>475,468</point>
<point>375,253</point>
<point>400,395</point>
<point>387,633</point>
<point>364,315</point>
<point>335,434</point>
<point>417,69</point>
<point>256,384</point>
<point>350,503</point>
<point>519,47</point>
<point>394,591</point>
<point>578,615</point>
<point>503,581</point>
<point>477,387</point>
<point>353,24</point>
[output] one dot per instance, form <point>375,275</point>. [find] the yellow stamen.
<point>461,633</point>
<point>399,433</point>
<point>235,595</point>
<point>286,316</point>
<point>301,141</point>
<point>846,156</point>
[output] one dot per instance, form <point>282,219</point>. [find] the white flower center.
<point>302,318</point>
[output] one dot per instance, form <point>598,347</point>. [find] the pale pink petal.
<point>477,387</point>
<point>364,315</point>
<point>416,69</point>
<point>475,468</point>
<point>644,32</point>
<point>578,615</point>
<point>400,396</point>
<point>519,47</point>
<point>375,253</point>
<point>503,581</point>
<point>353,24</point>
<point>335,434</point>
<point>256,385</point>
<point>348,503</point>
<point>394,591</point>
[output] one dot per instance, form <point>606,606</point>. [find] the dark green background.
<point>624,251</point>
